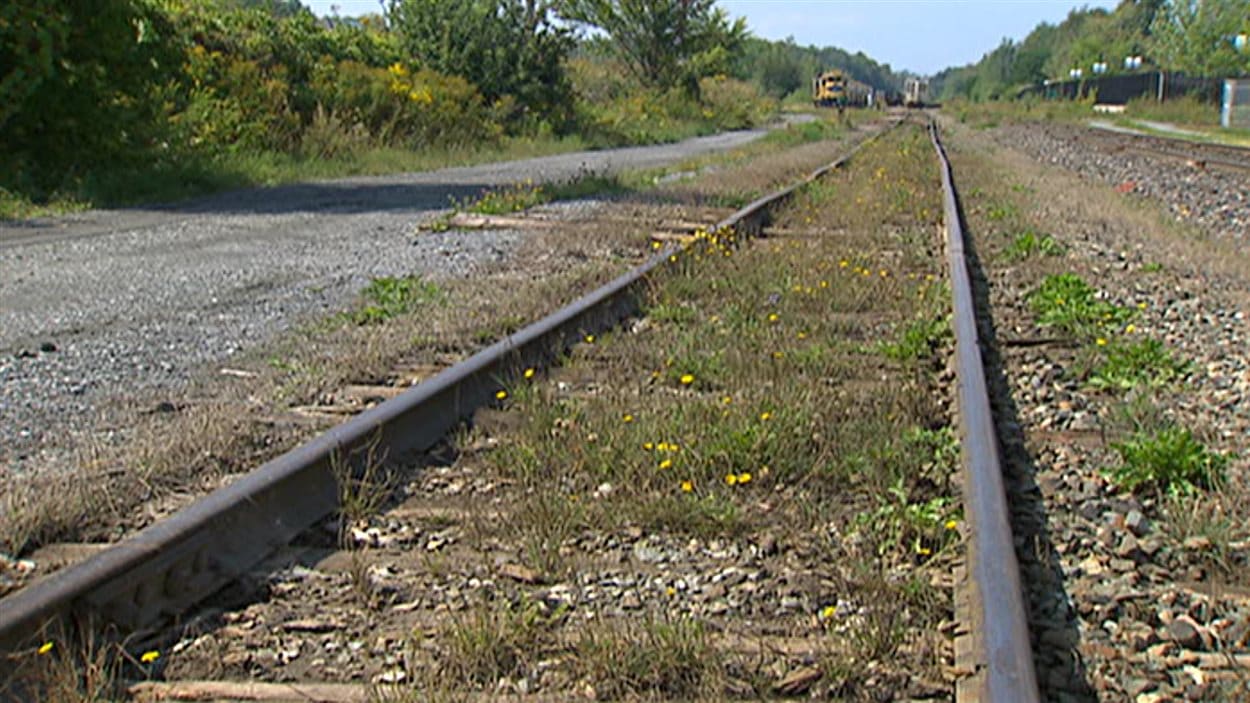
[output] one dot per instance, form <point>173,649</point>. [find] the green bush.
<point>1170,460</point>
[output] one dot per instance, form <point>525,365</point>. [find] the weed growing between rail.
<point>758,402</point>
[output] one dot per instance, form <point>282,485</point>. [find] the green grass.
<point>1030,244</point>
<point>1126,365</point>
<point>1066,302</point>
<point>1169,460</point>
<point>172,179</point>
<point>390,297</point>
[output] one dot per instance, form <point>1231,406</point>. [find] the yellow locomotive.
<point>834,88</point>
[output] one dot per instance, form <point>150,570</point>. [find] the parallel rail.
<point>162,571</point>
<point>166,568</point>
<point>1000,659</point>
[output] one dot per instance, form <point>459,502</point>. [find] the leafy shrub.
<point>1170,460</point>
<point>390,297</point>
<point>1127,365</point>
<point>1067,302</point>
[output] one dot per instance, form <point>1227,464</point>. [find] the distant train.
<point>835,89</point>
<point>915,92</point>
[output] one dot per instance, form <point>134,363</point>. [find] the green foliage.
<point>665,44</point>
<point>512,198</point>
<point>81,87</point>
<point>511,50</point>
<point>1195,36</point>
<point>919,339</point>
<point>1029,244</point>
<point>1169,460</point>
<point>390,297</point>
<point>1067,302</point>
<point>1128,365</point>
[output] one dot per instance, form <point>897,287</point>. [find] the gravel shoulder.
<point>97,306</point>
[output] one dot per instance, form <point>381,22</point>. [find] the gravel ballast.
<point>97,306</point>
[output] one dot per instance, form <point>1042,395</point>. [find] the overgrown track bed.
<point>1121,396</point>
<point>1197,188</point>
<point>162,450</point>
<point>747,491</point>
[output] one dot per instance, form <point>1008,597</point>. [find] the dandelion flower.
<point>672,258</point>
<point>661,447</point>
<point>666,464</point>
<point>773,317</point>
<point>590,339</point>
<point>824,284</point>
<point>731,479</point>
<point>802,335</point>
<point>670,591</point>
<point>648,446</point>
<point>149,656</point>
<point>844,263</point>
<point>45,647</point>
<point>778,354</point>
<point>1100,342</point>
<point>1130,329</point>
<point>744,477</point>
<point>923,550</point>
<point>687,379</point>
<point>674,447</point>
<point>655,245</point>
<point>500,395</point>
<point>766,416</point>
<point>828,612</point>
<point>628,418</point>
<point>727,400</point>
<point>1141,305</point>
<point>687,486</point>
<point>529,373</point>
<point>951,524</point>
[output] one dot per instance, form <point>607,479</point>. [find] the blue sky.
<point>924,36</point>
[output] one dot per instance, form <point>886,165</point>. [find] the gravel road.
<point>98,305</point>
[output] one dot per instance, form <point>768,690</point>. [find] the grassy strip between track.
<point>781,393</point>
<point>235,426</point>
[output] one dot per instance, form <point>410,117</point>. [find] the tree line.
<point>1196,37</point>
<point>95,87</point>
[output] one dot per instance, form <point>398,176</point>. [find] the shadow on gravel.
<point>1053,627</point>
<point>328,198</point>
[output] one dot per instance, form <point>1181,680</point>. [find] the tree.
<point>665,43</point>
<point>507,48</point>
<point>1196,36</point>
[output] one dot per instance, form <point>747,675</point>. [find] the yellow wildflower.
<point>727,400</point>
<point>500,395</point>
<point>628,418</point>
<point>1130,329</point>
<point>149,656</point>
<point>1141,305</point>
<point>661,447</point>
<point>670,591</point>
<point>828,612</point>
<point>45,647</point>
<point>648,446</point>
<point>824,284</point>
<point>590,339</point>
<point>687,379</point>
<point>655,245</point>
<point>529,373</point>
<point>687,486</point>
<point>773,317</point>
<point>766,416</point>
<point>731,479</point>
<point>666,464</point>
<point>744,477</point>
<point>844,263</point>
<point>1100,342</point>
<point>951,524</point>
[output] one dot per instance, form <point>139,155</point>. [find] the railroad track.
<point>134,590</point>
<point>1195,153</point>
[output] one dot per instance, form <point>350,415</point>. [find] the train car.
<point>915,92</point>
<point>834,88</point>
<point>829,89</point>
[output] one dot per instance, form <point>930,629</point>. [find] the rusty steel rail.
<point>1000,660</point>
<point>163,570</point>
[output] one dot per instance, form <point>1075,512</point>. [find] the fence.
<point>1118,90</point>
